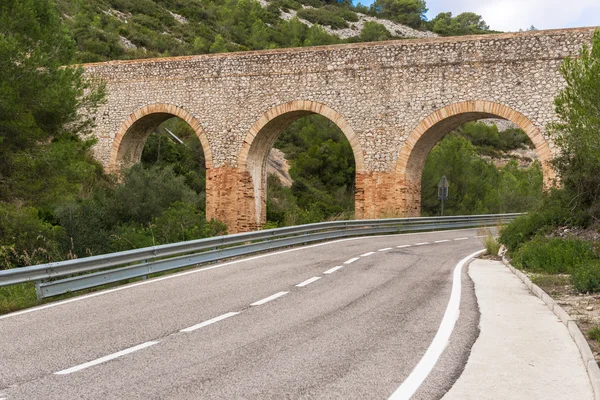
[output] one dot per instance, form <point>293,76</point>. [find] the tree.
<point>219,45</point>
<point>408,12</point>
<point>374,32</point>
<point>467,23</point>
<point>578,131</point>
<point>44,106</point>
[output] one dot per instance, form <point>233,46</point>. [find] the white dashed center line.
<point>442,241</point>
<point>404,246</point>
<point>268,299</point>
<point>421,244</point>
<point>209,322</point>
<point>350,261</point>
<point>332,270</point>
<point>308,281</point>
<point>462,238</point>
<point>367,254</point>
<point>105,358</point>
<point>386,249</point>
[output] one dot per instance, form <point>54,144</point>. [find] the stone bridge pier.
<point>392,100</point>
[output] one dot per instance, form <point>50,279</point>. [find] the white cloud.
<point>512,15</point>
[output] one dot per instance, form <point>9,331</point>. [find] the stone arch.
<point>252,158</point>
<point>429,131</point>
<point>130,138</point>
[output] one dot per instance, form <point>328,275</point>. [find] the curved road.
<point>348,319</point>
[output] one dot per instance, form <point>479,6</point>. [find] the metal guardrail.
<point>99,270</point>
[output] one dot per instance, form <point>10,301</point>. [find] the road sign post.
<point>443,191</point>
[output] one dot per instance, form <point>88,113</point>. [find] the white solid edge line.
<point>209,322</point>
<point>367,254</point>
<point>350,261</point>
<point>440,341</point>
<point>202,269</point>
<point>308,281</point>
<point>441,241</point>
<point>421,244</point>
<point>404,246</point>
<point>332,270</point>
<point>267,299</point>
<point>105,358</point>
<point>462,238</point>
<point>386,249</point>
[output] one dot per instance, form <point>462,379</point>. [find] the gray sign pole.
<point>443,191</point>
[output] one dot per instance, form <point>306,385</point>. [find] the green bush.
<point>521,230</point>
<point>27,239</point>
<point>553,255</point>
<point>586,277</point>
<point>342,12</point>
<point>323,17</point>
<point>553,211</point>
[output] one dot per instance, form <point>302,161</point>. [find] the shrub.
<point>586,277</point>
<point>594,334</point>
<point>553,256</point>
<point>554,211</point>
<point>342,12</point>
<point>27,239</point>
<point>492,246</point>
<point>322,17</point>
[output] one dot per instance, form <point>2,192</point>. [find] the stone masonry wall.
<point>383,91</point>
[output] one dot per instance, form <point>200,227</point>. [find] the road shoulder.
<point>523,351</point>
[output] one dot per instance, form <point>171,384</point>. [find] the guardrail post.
<point>38,290</point>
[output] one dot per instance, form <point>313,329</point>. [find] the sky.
<point>512,15</point>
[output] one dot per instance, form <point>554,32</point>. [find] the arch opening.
<point>164,136</point>
<point>130,140</point>
<point>262,137</point>
<point>430,131</point>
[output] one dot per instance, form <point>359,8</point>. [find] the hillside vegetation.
<point>123,29</point>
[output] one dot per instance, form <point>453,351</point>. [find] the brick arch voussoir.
<point>301,105</point>
<point>542,147</point>
<point>157,108</point>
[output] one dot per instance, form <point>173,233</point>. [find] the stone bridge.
<point>393,101</point>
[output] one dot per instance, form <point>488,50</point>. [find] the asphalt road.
<point>355,332</point>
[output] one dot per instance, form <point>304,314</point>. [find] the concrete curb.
<point>585,351</point>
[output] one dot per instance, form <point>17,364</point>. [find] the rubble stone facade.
<point>393,100</point>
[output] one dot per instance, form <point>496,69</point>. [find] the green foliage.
<point>143,194</point>
<point>477,186</point>
<point>16,297</point>
<point>322,168</point>
<point>39,120</point>
<point>27,239</point>
<point>492,246</point>
<point>323,16</point>
<point>553,211</point>
<point>586,277</point>
<point>180,222</point>
<point>553,255</point>
<point>490,142</point>
<point>407,12</point>
<point>578,164</point>
<point>187,159</point>
<point>594,334</point>
<point>100,26</point>
<point>467,23</point>
<point>374,32</point>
